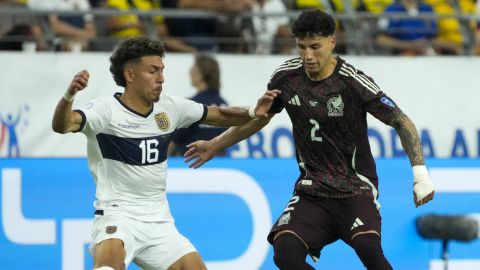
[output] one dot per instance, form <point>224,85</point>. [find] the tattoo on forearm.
<point>409,137</point>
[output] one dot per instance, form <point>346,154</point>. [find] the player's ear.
<point>128,74</point>
<point>333,42</point>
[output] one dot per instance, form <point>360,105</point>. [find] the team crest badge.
<point>162,121</point>
<point>284,219</point>
<point>335,106</point>
<point>111,229</point>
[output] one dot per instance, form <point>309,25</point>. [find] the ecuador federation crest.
<point>162,121</point>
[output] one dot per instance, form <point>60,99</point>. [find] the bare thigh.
<point>110,252</point>
<point>191,261</point>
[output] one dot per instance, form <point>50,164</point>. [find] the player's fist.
<point>79,82</point>
<point>265,102</point>
<point>423,189</point>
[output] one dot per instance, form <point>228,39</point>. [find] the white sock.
<point>104,268</point>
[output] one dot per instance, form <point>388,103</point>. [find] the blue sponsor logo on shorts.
<point>387,101</point>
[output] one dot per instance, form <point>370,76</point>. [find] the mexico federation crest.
<point>111,229</point>
<point>162,121</point>
<point>335,106</point>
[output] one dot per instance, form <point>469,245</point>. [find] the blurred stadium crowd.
<point>365,27</point>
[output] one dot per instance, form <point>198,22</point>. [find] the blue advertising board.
<point>225,208</point>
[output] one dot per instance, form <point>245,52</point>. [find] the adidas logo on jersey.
<point>356,223</point>
<point>294,101</point>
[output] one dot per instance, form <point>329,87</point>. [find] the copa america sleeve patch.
<point>387,101</point>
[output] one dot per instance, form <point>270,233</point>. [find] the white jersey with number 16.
<point>127,153</point>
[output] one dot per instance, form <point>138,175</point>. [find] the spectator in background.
<point>327,6</point>
<point>205,77</point>
<point>101,42</point>
<point>208,34</point>
<point>17,29</point>
<point>451,37</point>
<point>367,25</point>
<point>98,3</point>
<point>407,36</point>
<point>74,31</point>
<point>272,34</point>
<point>373,6</point>
<point>127,26</point>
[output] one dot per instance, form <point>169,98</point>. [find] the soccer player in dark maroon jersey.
<point>336,193</point>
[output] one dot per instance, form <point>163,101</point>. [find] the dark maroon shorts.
<point>322,221</point>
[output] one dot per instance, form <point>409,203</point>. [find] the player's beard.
<point>156,97</point>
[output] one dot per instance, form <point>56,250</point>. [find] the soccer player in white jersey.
<point>127,139</point>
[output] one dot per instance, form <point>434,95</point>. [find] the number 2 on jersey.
<point>149,150</point>
<point>290,204</point>
<point>316,126</point>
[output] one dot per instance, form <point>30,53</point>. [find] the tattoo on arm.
<point>409,137</point>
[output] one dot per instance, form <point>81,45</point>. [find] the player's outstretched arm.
<point>423,189</point>
<point>64,119</point>
<point>203,151</point>
<point>235,116</point>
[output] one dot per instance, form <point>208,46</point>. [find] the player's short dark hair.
<point>209,69</point>
<point>131,50</point>
<point>313,23</point>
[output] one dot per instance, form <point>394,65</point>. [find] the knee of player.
<point>368,246</point>
<point>289,247</point>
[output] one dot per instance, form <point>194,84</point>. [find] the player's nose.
<point>160,78</point>
<point>309,53</point>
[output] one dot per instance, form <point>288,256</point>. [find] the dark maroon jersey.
<point>329,119</point>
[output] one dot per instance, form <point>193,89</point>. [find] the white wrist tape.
<point>68,97</point>
<point>422,186</point>
<point>251,112</point>
<point>420,173</point>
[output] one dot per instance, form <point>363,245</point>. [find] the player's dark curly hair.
<point>132,49</point>
<point>313,22</point>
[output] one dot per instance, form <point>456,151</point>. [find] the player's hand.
<point>200,152</point>
<point>265,102</point>
<point>423,190</point>
<point>79,82</point>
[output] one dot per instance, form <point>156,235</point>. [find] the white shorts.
<point>151,245</point>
